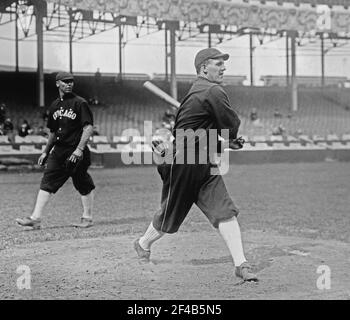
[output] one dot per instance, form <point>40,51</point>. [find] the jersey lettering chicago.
<point>64,113</point>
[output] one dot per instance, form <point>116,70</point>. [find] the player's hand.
<point>236,144</point>
<point>76,156</point>
<point>42,159</point>
<point>160,147</point>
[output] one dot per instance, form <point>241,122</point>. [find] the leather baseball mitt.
<point>72,162</point>
<point>159,147</point>
<point>236,144</point>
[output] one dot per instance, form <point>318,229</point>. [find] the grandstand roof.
<point>330,3</point>
<point>262,14</point>
<point>277,15</point>
<point>222,12</point>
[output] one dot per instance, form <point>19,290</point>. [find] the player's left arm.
<point>78,152</point>
<point>87,122</point>
<point>225,116</point>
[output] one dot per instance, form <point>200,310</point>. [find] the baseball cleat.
<point>143,254</point>
<point>84,223</point>
<point>29,222</point>
<point>244,271</point>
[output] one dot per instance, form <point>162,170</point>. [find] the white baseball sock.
<point>151,235</point>
<point>88,202</point>
<point>231,233</point>
<point>41,201</point>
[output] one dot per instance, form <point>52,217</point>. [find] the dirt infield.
<point>294,218</point>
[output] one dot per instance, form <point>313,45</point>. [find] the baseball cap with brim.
<point>64,76</point>
<point>209,53</point>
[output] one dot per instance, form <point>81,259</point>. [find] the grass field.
<point>282,206</point>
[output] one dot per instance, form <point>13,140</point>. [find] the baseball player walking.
<point>205,107</point>
<point>66,153</point>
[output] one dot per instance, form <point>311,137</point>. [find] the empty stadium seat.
<point>305,139</point>
<point>339,145</point>
<point>35,139</point>
<point>4,139</point>
<point>346,138</point>
<point>28,149</point>
<point>332,138</point>
<point>293,142</point>
<point>318,139</point>
<point>19,139</point>
<point>292,139</point>
<point>122,139</point>
<point>139,139</point>
<point>7,149</point>
<point>98,139</point>
<point>104,147</point>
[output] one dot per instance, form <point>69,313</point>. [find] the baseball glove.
<point>159,147</point>
<point>70,166</point>
<point>72,162</point>
<point>236,144</point>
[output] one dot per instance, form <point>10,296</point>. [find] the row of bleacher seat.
<point>39,140</point>
<point>127,106</point>
<point>139,143</point>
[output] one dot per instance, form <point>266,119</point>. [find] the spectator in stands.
<point>277,113</point>
<point>8,130</point>
<point>253,114</point>
<point>93,101</point>
<point>45,115</point>
<point>2,118</point>
<point>98,77</point>
<point>279,131</point>
<point>168,120</point>
<point>95,131</point>
<point>254,118</point>
<point>299,132</point>
<point>3,112</point>
<point>97,87</point>
<point>24,129</point>
<point>41,131</point>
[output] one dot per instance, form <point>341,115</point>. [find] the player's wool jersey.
<point>206,106</point>
<point>67,117</point>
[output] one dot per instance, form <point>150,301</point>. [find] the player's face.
<point>215,70</point>
<point>65,86</point>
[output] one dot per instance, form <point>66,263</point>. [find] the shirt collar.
<point>67,96</point>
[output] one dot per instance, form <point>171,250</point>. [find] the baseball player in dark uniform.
<point>66,153</point>
<point>205,107</point>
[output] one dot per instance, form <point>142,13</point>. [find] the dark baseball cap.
<point>62,75</point>
<point>209,53</point>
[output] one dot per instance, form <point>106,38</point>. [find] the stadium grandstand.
<point>284,106</point>
<point>127,105</point>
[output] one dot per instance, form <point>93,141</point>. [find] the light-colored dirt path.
<point>187,265</point>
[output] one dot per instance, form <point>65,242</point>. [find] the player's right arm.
<point>49,145</point>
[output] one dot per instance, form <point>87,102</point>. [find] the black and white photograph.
<point>174,155</point>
